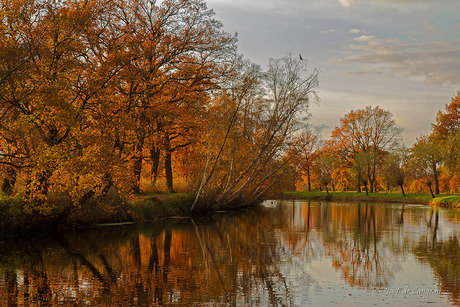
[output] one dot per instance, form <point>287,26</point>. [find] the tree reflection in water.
<point>262,256</point>
<point>442,255</point>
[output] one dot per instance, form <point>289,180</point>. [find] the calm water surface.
<point>283,254</point>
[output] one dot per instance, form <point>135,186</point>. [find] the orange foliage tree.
<point>55,67</point>
<point>92,90</point>
<point>370,132</point>
<point>446,132</point>
<point>448,121</point>
<point>182,54</point>
<point>86,85</point>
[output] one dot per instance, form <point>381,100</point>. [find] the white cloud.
<point>348,3</point>
<point>370,39</point>
<point>435,62</point>
<point>428,27</point>
<point>356,31</point>
<point>344,3</point>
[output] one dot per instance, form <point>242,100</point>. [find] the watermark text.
<point>408,290</point>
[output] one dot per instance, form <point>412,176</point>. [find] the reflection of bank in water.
<point>442,253</point>
<point>282,253</point>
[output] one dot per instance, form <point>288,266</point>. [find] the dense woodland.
<point>119,97</point>
<point>126,96</point>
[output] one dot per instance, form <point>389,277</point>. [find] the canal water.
<point>284,253</point>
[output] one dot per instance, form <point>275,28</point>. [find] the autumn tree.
<point>451,153</point>
<point>325,165</point>
<point>268,122</point>
<point>448,121</point>
<point>51,75</point>
<point>341,178</point>
<point>182,54</point>
<point>89,90</point>
<point>86,86</point>
<point>396,167</point>
<point>372,132</point>
<point>446,133</point>
<point>312,144</point>
<point>426,160</point>
<point>363,165</point>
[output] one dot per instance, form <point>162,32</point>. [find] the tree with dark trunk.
<point>372,132</point>
<point>137,166</point>
<point>9,180</point>
<point>155,160</point>
<point>311,146</point>
<point>426,160</point>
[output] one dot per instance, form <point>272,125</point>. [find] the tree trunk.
<point>402,190</point>
<point>431,190</point>
<point>168,164</point>
<point>365,187</point>
<point>137,166</point>
<point>436,182</point>
<point>371,181</point>
<point>371,186</point>
<point>9,181</point>
<point>107,183</point>
<point>308,178</point>
<point>155,157</point>
<point>359,182</point>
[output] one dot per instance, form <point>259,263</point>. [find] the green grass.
<point>391,197</point>
<point>447,201</point>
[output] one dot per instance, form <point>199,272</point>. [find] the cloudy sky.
<point>402,55</point>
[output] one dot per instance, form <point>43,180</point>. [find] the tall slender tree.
<point>371,131</point>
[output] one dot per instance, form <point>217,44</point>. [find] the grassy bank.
<point>18,219</point>
<point>446,201</point>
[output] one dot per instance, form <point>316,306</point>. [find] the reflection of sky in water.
<point>398,279</point>
<point>285,253</point>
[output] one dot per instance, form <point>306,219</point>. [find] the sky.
<point>401,55</point>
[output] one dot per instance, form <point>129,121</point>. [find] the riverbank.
<point>445,201</point>
<point>17,218</point>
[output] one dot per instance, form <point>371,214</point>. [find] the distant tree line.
<point>365,153</point>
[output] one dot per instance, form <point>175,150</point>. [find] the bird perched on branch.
<point>300,57</point>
